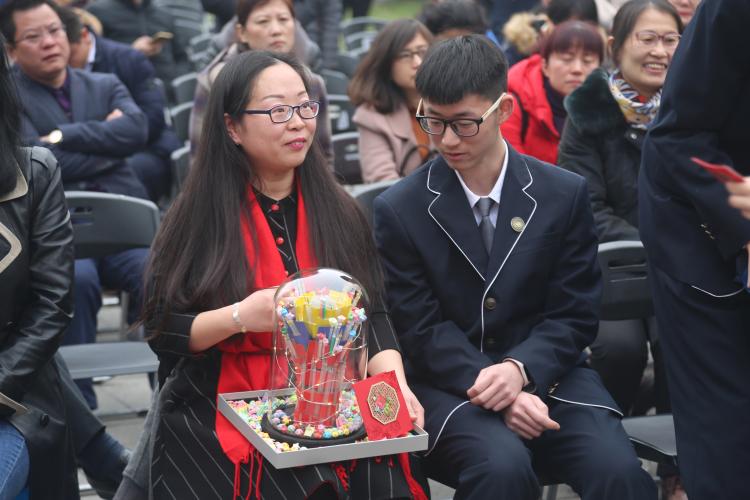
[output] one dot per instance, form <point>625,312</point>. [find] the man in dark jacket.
<point>100,55</point>
<point>135,22</point>
<point>698,248</point>
<point>91,124</point>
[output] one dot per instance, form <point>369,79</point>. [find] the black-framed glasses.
<point>408,55</point>
<point>284,112</point>
<point>463,127</point>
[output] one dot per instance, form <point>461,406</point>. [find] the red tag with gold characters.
<point>383,409</point>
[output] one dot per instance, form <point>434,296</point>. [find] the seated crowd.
<point>505,363</point>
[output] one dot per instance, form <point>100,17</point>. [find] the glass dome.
<point>319,351</point>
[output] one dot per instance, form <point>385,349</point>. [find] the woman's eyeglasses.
<point>651,39</point>
<point>408,55</point>
<point>463,127</point>
<point>284,112</point>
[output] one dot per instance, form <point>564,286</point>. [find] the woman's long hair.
<point>10,124</point>
<point>198,260</point>
<point>372,82</point>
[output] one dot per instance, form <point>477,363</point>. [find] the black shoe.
<point>106,488</point>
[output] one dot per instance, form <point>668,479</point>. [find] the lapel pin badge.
<point>517,224</point>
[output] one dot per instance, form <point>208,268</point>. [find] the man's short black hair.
<point>454,14</point>
<point>72,22</point>
<point>463,66</point>
<point>7,26</point>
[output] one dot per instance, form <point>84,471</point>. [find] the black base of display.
<point>277,435</point>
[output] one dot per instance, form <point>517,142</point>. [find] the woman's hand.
<point>416,412</point>
<point>256,311</point>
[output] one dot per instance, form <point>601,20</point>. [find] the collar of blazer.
<point>452,213</point>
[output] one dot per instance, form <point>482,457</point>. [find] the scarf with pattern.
<point>637,113</point>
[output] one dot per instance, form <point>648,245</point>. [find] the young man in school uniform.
<point>493,285</point>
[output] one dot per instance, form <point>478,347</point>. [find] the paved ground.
<point>120,399</point>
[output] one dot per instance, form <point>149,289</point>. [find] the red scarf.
<point>246,359</point>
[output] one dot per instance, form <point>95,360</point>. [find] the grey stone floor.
<point>120,398</point>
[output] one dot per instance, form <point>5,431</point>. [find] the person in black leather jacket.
<point>40,443</point>
<point>36,275</point>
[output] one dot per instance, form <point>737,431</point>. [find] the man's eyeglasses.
<point>408,55</point>
<point>283,112</point>
<point>463,127</point>
<point>651,38</point>
<point>35,37</point>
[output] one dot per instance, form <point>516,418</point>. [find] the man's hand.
<point>497,386</point>
<point>147,45</point>
<point>116,113</point>
<point>740,196</point>
<point>528,417</point>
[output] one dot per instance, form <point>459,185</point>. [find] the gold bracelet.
<point>236,317</point>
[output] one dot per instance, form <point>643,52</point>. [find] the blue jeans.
<point>14,461</point>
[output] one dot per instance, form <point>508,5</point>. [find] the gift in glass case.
<point>319,351</point>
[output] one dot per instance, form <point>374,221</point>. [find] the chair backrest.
<point>346,157</point>
<point>336,81</point>
<point>180,116</point>
<point>626,293</point>
<point>180,166</point>
<point>340,112</point>
<point>105,223</point>
<point>184,87</point>
<point>365,194</point>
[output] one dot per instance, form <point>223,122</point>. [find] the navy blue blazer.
<point>92,152</point>
<point>137,73</point>
<point>457,310</point>
<point>686,223</point>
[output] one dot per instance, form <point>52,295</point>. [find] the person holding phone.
<point>697,245</point>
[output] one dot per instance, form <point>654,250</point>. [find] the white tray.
<point>416,441</point>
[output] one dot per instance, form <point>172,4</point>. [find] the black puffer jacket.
<point>36,274</point>
<point>600,145</point>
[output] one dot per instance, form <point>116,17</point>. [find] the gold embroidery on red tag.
<point>383,402</point>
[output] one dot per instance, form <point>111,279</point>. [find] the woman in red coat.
<point>540,83</point>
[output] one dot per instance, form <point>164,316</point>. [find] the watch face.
<point>55,136</point>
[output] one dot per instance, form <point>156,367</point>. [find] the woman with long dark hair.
<point>259,204</point>
<point>391,143</point>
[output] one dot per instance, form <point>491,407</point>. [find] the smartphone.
<point>722,173</point>
<point>162,36</point>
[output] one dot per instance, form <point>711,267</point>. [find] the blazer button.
<point>44,420</point>
<point>490,303</point>
<point>490,342</point>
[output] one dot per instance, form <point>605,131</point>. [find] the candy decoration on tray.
<point>320,349</point>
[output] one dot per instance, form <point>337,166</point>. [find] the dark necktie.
<point>62,99</point>
<point>486,229</point>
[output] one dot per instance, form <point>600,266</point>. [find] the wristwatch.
<point>55,137</point>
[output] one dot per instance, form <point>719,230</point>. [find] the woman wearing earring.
<point>391,143</point>
<point>608,117</point>
<point>259,204</point>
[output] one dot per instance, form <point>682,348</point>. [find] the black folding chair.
<point>104,224</point>
<point>180,118</point>
<point>346,158</point>
<point>183,87</point>
<point>340,112</point>
<point>627,295</point>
